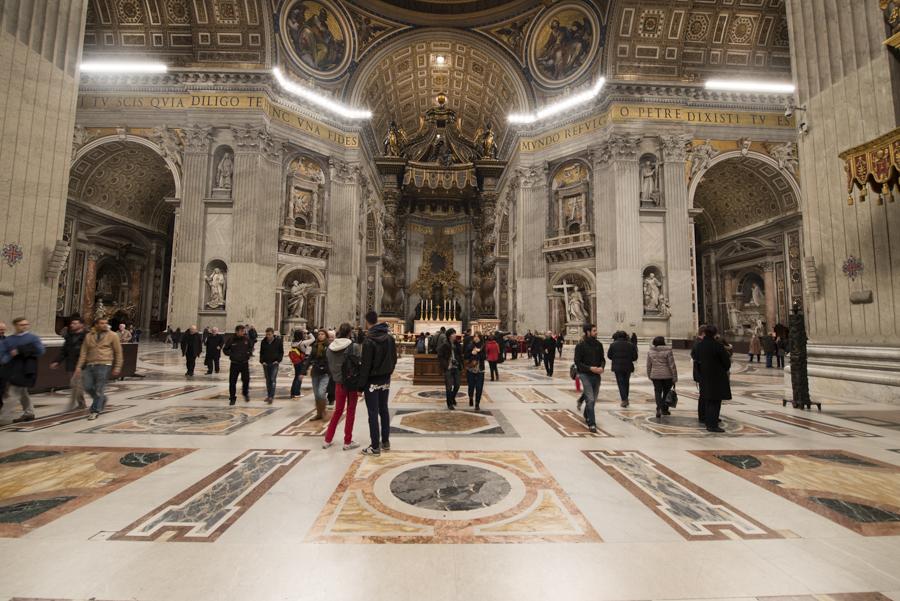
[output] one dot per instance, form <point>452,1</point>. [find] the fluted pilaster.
<point>343,262</point>
<point>679,234</point>
<point>531,229</point>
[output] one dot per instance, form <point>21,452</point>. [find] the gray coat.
<point>661,364</point>
<point>335,357</point>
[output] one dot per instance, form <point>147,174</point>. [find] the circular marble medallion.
<point>449,489</point>
<point>192,419</point>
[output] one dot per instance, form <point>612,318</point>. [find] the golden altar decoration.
<point>873,166</point>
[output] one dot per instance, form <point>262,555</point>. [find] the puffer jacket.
<point>335,355</point>
<point>661,364</point>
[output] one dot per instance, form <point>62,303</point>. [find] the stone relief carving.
<point>675,147</point>
<point>196,139</point>
<point>343,172</point>
<point>532,177</point>
<point>169,143</point>
<point>744,144</point>
<point>623,147</point>
<point>80,137</point>
<point>786,156</point>
<point>701,157</point>
<point>217,283</point>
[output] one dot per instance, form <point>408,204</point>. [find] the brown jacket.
<point>661,364</point>
<point>106,351</point>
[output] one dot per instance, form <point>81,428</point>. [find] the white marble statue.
<point>298,205</point>
<point>225,171</point>
<point>575,311</point>
<point>648,182</point>
<point>701,156</point>
<point>757,296</point>
<point>652,292</point>
<point>217,285</point>
<point>297,299</point>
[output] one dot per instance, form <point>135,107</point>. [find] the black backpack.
<point>351,368</point>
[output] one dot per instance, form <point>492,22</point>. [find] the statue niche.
<point>223,172</point>
<point>216,285</point>
<point>655,301</point>
<point>649,180</point>
<point>305,190</point>
<point>570,200</point>
<point>299,291</point>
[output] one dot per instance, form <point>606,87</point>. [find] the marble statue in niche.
<point>649,180</point>
<point>297,299</point>
<point>225,172</point>
<point>652,292</point>
<point>757,296</point>
<point>575,209</point>
<point>575,312</point>
<point>217,286</point>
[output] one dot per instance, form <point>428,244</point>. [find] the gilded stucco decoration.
<point>563,44</point>
<point>317,37</point>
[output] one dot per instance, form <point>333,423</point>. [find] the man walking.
<point>19,362</point>
<point>238,350</point>
<point>549,353</point>
<point>68,357</point>
<point>450,362</point>
<point>271,352</point>
<point>191,347</point>
<point>589,362</point>
<point>623,353</point>
<point>100,359</point>
<point>537,349</point>
<point>379,357</point>
<point>214,343</point>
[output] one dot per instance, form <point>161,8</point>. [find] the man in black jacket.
<point>589,363</point>
<point>68,357</point>
<point>537,349</point>
<point>379,357</point>
<point>450,362</point>
<point>271,352</point>
<point>623,354</point>
<point>549,353</point>
<point>714,362</point>
<point>238,350</point>
<point>214,343</point>
<point>191,347</point>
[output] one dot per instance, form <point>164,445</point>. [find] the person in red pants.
<point>343,350</point>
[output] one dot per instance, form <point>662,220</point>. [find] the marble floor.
<point>518,502</point>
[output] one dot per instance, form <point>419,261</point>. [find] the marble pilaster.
<point>679,235</point>
<point>531,225</point>
<point>90,284</point>
<point>343,262</point>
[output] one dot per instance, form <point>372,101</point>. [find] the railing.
<point>571,241</point>
<point>294,234</point>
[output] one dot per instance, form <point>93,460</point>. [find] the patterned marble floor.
<point>519,501</point>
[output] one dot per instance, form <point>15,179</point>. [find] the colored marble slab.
<point>203,512</point>
<point>808,424</point>
<point>187,420</point>
<point>693,395</point>
<point>684,424</point>
<point>48,421</point>
<point>859,493</point>
<point>306,426</point>
<point>692,511</point>
<point>568,424</point>
<point>611,395</point>
<point>256,392</point>
<point>830,597</point>
<point>883,419</point>
<point>450,497</point>
<point>39,484</point>
<point>531,395</point>
<point>443,422</point>
<point>160,395</point>
<point>427,396</point>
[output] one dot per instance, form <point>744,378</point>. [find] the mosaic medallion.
<point>450,497</point>
<point>425,396</point>
<point>306,426</point>
<point>563,43</point>
<point>187,420</point>
<point>442,422</point>
<point>316,34</point>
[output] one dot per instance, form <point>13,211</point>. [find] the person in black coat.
<point>252,336</point>
<point>590,364</point>
<point>191,347</point>
<point>450,362</point>
<point>379,358</point>
<point>271,352</point>
<point>623,354</point>
<point>214,343</point>
<point>2,380</point>
<point>713,363</point>
<point>696,372</point>
<point>73,338</point>
<point>549,353</point>
<point>176,337</point>
<point>474,357</point>
<point>238,350</point>
<point>537,349</point>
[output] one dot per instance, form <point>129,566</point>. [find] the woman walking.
<point>623,354</point>
<point>318,368</point>
<point>474,354</point>
<point>492,353</point>
<point>342,349</point>
<point>755,348</point>
<point>662,372</point>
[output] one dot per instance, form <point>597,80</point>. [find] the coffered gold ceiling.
<point>447,13</point>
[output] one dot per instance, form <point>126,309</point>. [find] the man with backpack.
<point>345,366</point>
<point>379,357</point>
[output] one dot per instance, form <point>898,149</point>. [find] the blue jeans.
<point>590,386</point>
<point>271,372</point>
<point>377,406</point>
<point>768,359</point>
<point>476,385</point>
<point>298,380</point>
<point>320,386</point>
<point>623,380</point>
<point>451,385</point>
<point>94,378</point>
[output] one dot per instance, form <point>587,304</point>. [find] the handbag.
<point>671,399</point>
<point>573,371</point>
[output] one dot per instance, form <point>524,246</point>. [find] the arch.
<point>580,272</point>
<point>173,168</point>
<point>286,270</point>
<point>106,231</point>
<point>732,154</point>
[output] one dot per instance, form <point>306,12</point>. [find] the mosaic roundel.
<point>563,44</point>
<point>317,36</point>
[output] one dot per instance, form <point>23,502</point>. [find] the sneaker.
<point>28,417</point>
<point>93,416</point>
<point>326,445</point>
<point>385,446</point>
<point>353,445</point>
<point>316,418</point>
<point>370,451</point>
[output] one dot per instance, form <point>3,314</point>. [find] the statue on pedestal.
<point>652,293</point>
<point>575,311</point>
<point>297,299</point>
<point>225,171</point>
<point>649,186</point>
<point>757,296</point>
<point>217,284</point>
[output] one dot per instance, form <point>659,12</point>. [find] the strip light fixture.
<point>122,67</point>
<point>558,107</point>
<point>740,85</point>
<point>319,100</point>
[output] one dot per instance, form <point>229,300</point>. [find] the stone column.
<point>147,304</point>
<point>136,289</point>
<point>604,312</point>
<point>531,225</point>
<point>184,292</point>
<point>40,48</point>
<point>679,234</point>
<point>90,284</point>
<point>343,262</point>
<point>771,295</point>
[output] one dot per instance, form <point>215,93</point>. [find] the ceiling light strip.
<point>319,100</point>
<point>740,85</point>
<point>122,67</point>
<point>558,107</point>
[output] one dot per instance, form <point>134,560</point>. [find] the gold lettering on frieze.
<point>421,229</point>
<point>454,229</point>
<point>219,101</point>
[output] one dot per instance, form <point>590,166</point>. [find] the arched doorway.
<point>572,302</point>
<point>301,299</point>
<point>748,243</point>
<point>119,224</point>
